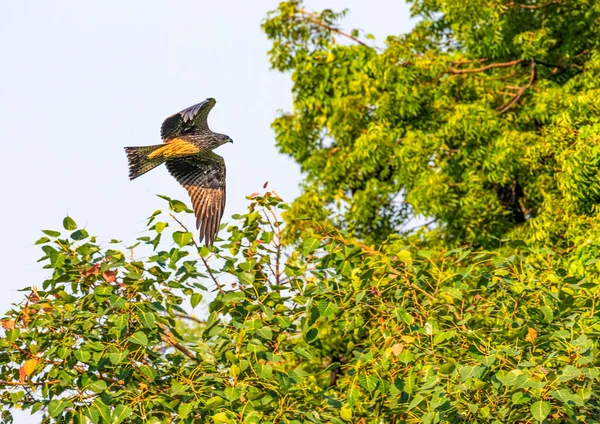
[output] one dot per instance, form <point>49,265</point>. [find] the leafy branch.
<point>520,91</point>
<point>310,17</point>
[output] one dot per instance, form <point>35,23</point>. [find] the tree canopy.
<point>482,120</point>
<point>333,331</point>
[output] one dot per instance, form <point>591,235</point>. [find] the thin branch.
<point>485,68</point>
<point>167,337</point>
<point>201,257</point>
<point>465,61</point>
<point>29,383</point>
<point>332,29</point>
<point>583,53</point>
<point>191,318</point>
<point>212,276</point>
<point>521,90</point>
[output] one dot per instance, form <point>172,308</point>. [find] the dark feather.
<point>188,121</point>
<point>203,176</point>
<point>139,163</point>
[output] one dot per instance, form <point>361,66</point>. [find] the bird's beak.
<point>231,141</point>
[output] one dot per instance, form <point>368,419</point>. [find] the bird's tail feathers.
<point>139,162</point>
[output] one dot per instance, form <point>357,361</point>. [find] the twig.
<point>201,257</point>
<point>167,337</point>
<point>332,29</point>
<point>277,231</point>
<point>191,318</point>
<point>28,383</point>
<point>521,90</point>
<point>583,53</point>
<point>465,61</point>
<point>486,67</point>
<point>212,276</point>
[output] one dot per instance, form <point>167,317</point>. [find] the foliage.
<point>484,119</point>
<point>335,331</point>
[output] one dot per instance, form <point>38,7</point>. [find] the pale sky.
<point>82,79</point>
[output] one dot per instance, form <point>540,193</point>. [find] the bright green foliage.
<point>484,118</point>
<point>336,331</point>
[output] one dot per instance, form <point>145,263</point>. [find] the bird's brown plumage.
<point>204,179</point>
<point>188,155</point>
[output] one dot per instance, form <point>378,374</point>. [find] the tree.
<point>483,119</point>
<point>333,331</point>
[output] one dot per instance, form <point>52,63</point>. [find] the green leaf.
<point>265,332</point>
<point>368,382</point>
<point>519,397</point>
<point>353,396</point>
<point>346,412</point>
<point>214,402</point>
<point>565,396</point>
<point>404,316</point>
<point>221,417</point>
<point>184,409</point>
<point>195,299</point>
<point>56,407</point>
<point>121,413</point>
<point>311,335</point>
<point>147,319</point>
<point>415,402</point>
<point>178,389</point>
<point>82,355</point>
<point>97,386</point>
<point>310,245</point>
<point>51,233</point>
<point>69,224</point>
<point>569,372</point>
<point>92,413</point>
<point>177,206</point>
<point>246,278</point>
<point>79,235</point>
<point>302,352</point>
<point>139,338</point>
<point>540,410</point>
<point>447,368</point>
<point>118,356</point>
<point>547,313</point>
<point>182,238</point>
<point>160,226</point>
<point>13,334</point>
<point>148,371</point>
<point>43,240</point>
<point>264,371</point>
<point>327,309</point>
<point>405,357</point>
<point>103,291</point>
<point>100,408</point>
<point>233,297</point>
<point>119,321</point>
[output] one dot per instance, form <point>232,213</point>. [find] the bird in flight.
<point>187,151</point>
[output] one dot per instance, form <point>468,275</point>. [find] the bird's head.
<point>222,139</point>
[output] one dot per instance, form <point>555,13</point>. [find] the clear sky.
<point>82,79</point>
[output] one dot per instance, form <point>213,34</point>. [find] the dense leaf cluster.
<point>334,331</point>
<point>484,119</point>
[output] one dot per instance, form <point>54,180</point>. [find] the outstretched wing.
<point>203,176</point>
<point>190,120</point>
